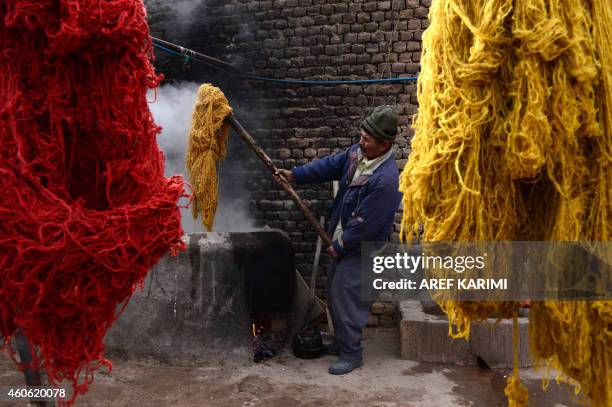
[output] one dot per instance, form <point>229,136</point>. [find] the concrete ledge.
<point>424,337</point>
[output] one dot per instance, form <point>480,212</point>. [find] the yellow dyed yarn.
<point>513,141</point>
<point>207,146</point>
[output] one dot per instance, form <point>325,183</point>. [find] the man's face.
<point>371,147</point>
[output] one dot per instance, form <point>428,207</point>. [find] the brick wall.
<point>301,39</point>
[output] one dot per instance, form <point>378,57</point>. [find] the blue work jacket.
<point>366,207</point>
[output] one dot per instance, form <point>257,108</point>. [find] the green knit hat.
<point>381,123</point>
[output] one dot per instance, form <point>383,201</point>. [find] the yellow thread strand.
<point>513,141</point>
<point>207,146</point>
<point>515,390</point>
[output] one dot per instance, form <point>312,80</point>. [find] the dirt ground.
<point>384,381</point>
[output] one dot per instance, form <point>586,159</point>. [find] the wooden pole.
<point>32,376</point>
<point>232,121</point>
<point>315,265</point>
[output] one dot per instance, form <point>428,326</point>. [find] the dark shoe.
<point>342,366</point>
<point>331,349</point>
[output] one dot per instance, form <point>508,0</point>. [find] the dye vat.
<point>200,305</point>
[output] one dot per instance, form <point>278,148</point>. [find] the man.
<point>364,210</point>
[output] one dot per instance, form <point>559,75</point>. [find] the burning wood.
<point>269,337</point>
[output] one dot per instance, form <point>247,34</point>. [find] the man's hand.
<point>286,174</point>
<point>332,252</point>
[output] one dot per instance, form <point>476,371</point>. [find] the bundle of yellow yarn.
<point>207,146</point>
<point>514,142</point>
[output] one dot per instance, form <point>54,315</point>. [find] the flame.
<point>254,330</point>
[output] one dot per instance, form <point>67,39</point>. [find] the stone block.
<point>310,153</point>
<point>399,46</point>
<point>398,67</point>
<point>372,320</point>
<point>384,5</point>
<point>378,16</point>
<point>377,308</point>
<point>358,49</point>
<point>414,24</point>
<point>363,37</point>
<point>387,321</point>
<point>331,50</point>
<point>424,337</point>
<point>363,17</point>
<point>421,12</point>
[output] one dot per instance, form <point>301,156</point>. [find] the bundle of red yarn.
<point>86,210</point>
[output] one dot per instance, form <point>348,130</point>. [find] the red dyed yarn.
<point>85,209</point>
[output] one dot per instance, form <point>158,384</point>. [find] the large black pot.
<point>308,344</point>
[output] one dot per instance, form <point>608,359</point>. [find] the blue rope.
<point>296,81</point>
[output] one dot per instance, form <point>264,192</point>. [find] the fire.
<point>254,330</point>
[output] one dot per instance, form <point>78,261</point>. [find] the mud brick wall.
<point>300,39</point>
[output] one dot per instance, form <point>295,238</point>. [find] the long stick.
<point>31,375</point>
<point>284,184</point>
<point>315,265</point>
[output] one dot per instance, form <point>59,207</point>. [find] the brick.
<point>354,7</point>
<point>387,321</point>
<point>412,68</point>
<point>372,320</point>
<point>335,18</point>
<point>398,67</point>
<point>358,49</point>
<point>371,27</point>
<point>363,37</point>
<point>371,48</point>
<point>377,308</point>
<point>414,24</point>
<point>406,35</point>
<point>399,46</point>
<point>378,16</point>
<point>298,143</point>
<point>306,21</point>
<point>331,50</point>
<point>384,5</point>
<point>310,153</point>
<point>421,12</point>
<point>363,17</point>
<point>348,18</point>
<point>369,6</point>
<point>327,9</point>
<point>283,153</point>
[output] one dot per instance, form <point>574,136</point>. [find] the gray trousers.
<point>349,313</point>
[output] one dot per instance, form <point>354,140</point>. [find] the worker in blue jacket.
<point>364,210</point>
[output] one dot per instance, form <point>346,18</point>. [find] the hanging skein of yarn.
<point>513,141</point>
<point>86,210</point>
<point>207,146</point>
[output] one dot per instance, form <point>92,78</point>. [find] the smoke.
<point>172,111</point>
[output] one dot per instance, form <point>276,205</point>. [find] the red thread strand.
<point>86,210</point>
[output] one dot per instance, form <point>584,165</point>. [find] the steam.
<point>172,111</point>
<point>184,8</point>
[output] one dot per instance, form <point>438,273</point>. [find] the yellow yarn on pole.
<point>207,146</point>
<point>513,141</point>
